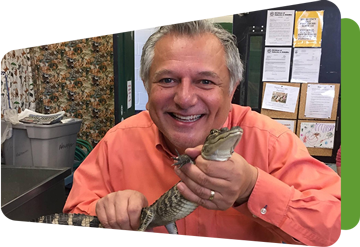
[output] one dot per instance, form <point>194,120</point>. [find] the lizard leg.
<point>145,219</point>
<point>182,160</point>
<point>173,234</point>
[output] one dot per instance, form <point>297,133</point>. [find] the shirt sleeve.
<point>338,157</point>
<point>298,198</point>
<point>90,182</point>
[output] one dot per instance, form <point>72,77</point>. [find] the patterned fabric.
<point>17,88</point>
<point>77,77</point>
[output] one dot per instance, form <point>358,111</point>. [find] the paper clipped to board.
<point>280,98</point>
<point>317,135</point>
<point>319,100</point>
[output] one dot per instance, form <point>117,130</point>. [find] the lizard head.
<point>220,144</point>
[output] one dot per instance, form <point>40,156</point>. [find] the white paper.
<point>290,124</point>
<point>279,27</point>
<point>129,94</point>
<point>306,65</point>
<point>319,100</point>
<point>280,97</point>
<point>276,64</point>
<point>308,28</point>
<point>319,135</point>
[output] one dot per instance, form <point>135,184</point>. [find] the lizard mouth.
<point>190,118</point>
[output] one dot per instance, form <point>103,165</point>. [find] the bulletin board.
<point>317,136</point>
<point>281,114</point>
<point>303,95</point>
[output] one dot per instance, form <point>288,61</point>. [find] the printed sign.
<point>279,27</point>
<point>308,28</point>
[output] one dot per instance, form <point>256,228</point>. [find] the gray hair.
<point>193,28</point>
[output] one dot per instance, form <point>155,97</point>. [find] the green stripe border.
<point>350,124</point>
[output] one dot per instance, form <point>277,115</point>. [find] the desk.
<point>29,192</point>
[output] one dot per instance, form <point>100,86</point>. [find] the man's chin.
<point>184,141</point>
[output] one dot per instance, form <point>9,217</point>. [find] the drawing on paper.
<point>279,97</point>
<point>319,135</point>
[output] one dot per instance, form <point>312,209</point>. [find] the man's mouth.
<point>190,118</point>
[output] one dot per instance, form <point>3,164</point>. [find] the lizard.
<point>171,206</point>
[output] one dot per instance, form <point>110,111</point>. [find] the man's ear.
<point>232,95</point>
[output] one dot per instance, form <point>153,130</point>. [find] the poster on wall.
<point>276,64</point>
<point>129,94</point>
<point>318,135</point>
<point>279,27</point>
<point>280,97</point>
<point>308,28</point>
<point>319,100</point>
<point>306,65</point>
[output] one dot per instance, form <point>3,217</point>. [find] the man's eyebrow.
<point>163,72</point>
<point>209,73</point>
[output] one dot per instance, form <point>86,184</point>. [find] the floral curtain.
<point>17,88</point>
<point>72,62</point>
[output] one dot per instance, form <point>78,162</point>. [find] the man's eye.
<point>167,80</point>
<point>206,82</point>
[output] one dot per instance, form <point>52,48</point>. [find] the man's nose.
<point>185,95</point>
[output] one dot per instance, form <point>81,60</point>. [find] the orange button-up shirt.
<point>296,198</point>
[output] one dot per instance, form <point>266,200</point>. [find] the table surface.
<point>27,193</point>
<point>20,182</point>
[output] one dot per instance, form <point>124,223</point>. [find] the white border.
<point>350,239</point>
<point>350,7</point>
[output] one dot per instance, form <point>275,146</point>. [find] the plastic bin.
<point>33,145</point>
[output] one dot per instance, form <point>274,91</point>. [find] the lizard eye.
<point>213,131</point>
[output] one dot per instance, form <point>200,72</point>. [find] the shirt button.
<point>263,211</point>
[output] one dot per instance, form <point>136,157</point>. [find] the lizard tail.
<point>79,221</point>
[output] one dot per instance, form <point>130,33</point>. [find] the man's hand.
<point>121,209</point>
<point>232,180</point>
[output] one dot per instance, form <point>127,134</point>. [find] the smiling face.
<point>188,89</point>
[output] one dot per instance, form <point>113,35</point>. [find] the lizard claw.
<point>182,160</point>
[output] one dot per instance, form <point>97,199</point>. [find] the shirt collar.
<point>161,144</point>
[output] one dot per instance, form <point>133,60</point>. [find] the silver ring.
<point>212,194</point>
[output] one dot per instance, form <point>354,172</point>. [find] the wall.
<point>146,16</point>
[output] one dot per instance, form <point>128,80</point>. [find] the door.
<point>124,75</point>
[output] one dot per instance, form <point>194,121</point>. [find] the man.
<point>271,189</point>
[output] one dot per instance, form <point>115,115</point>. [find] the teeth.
<point>190,118</point>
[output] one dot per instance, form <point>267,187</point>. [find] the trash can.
<point>33,145</point>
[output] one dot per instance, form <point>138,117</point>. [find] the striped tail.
<point>79,221</point>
